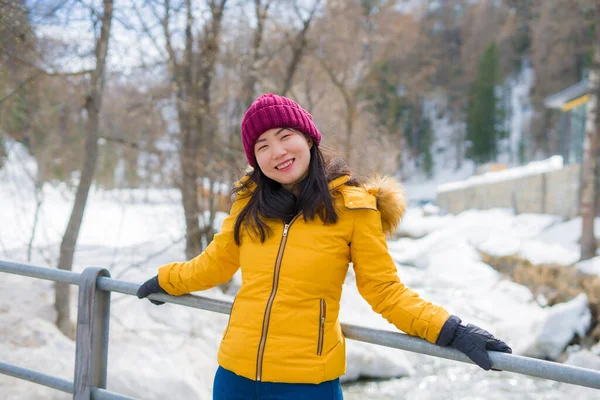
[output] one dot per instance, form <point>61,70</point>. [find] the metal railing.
<point>91,344</point>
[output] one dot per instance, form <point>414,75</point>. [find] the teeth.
<point>284,165</point>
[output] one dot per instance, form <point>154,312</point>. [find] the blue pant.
<point>229,386</point>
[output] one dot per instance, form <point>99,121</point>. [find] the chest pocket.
<point>356,198</point>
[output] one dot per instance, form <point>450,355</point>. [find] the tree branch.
<point>298,46</point>
<point>165,25</point>
<point>43,71</point>
<point>18,88</point>
<point>147,30</point>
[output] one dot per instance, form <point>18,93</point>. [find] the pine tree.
<point>482,112</point>
<point>384,95</point>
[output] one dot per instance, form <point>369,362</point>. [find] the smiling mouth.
<point>285,164</point>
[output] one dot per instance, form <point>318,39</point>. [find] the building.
<point>572,103</point>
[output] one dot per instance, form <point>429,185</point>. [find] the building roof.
<point>558,100</point>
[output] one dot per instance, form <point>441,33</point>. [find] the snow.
<point>171,351</point>
<point>416,224</point>
<point>539,238</point>
<point>584,359</point>
<point>591,266</point>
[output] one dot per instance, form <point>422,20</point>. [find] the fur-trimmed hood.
<point>391,201</point>
<point>381,193</point>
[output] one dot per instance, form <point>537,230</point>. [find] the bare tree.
<point>342,55</point>
<point>299,45</point>
<point>261,13</point>
<point>353,39</point>
<point>92,107</point>
<point>349,94</point>
<point>589,175</point>
<point>192,75</point>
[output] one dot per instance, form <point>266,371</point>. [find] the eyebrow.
<point>276,133</point>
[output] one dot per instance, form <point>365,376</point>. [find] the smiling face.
<point>283,155</point>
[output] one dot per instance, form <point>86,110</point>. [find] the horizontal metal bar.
<point>103,394</point>
<point>503,361</point>
<point>56,383</point>
<point>188,300</point>
<point>50,274</point>
<point>36,377</point>
<point>507,362</point>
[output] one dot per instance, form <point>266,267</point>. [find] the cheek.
<point>305,151</point>
<point>261,160</point>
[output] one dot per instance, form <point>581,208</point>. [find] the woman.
<point>297,222</point>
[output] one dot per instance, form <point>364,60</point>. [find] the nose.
<point>278,151</point>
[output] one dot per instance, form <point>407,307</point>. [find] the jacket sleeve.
<point>378,282</point>
<point>214,266</point>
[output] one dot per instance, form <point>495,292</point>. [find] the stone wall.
<point>555,192</point>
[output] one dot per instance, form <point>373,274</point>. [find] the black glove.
<point>149,287</point>
<point>472,341</point>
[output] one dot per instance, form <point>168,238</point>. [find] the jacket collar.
<point>339,181</point>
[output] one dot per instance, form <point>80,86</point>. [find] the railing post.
<point>91,346</point>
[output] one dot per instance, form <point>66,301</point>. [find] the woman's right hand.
<point>149,287</point>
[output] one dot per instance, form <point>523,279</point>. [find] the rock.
<point>555,329</point>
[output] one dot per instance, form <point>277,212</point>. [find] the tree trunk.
<point>92,106</point>
<point>589,175</point>
<point>459,148</point>
<point>205,123</point>
<point>190,140</point>
<point>193,241</point>
<point>350,115</point>
<point>261,13</point>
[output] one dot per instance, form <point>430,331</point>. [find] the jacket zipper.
<point>265,326</point>
<point>229,319</point>
<point>322,316</point>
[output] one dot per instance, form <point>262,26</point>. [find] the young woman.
<point>297,221</point>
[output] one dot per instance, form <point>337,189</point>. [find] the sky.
<point>137,37</point>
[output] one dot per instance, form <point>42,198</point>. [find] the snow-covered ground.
<point>170,351</point>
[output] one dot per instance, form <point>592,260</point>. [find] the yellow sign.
<point>575,103</point>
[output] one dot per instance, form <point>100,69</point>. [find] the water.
<point>444,379</point>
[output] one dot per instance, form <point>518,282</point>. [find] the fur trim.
<point>391,202</point>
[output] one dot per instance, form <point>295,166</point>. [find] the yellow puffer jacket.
<point>284,324</point>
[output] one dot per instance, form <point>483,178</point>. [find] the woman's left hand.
<point>474,342</point>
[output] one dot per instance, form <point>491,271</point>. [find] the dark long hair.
<point>311,197</point>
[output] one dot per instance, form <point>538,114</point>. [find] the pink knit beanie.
<point>272,111</point>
